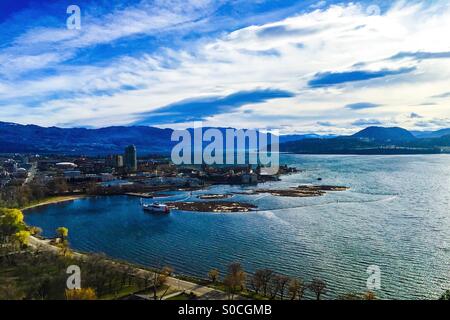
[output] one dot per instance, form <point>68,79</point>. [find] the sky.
<point>326,67</point>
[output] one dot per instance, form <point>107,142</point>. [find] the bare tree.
<point>256,282</point>
<point>277,286</point>
<point>273,287</point>
<point>319,287</point>
<point>261,280</point>
<point>283,282</point>
<point>165,273</point>
<point>159,279</point>
<point>213,275</point>
<point>235,279</point>
<point>296,289</point>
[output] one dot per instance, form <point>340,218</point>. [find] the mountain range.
<point>36,139</point>
<point>16,138</point>
<point>375,140</point>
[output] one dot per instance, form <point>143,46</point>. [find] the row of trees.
<point>23,195</point>
<point>269,284</point>
<point>266,283</point>
<point>20,196</point>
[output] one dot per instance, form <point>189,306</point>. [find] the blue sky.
<point>295,66</point>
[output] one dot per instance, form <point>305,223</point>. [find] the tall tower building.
<point>130,159</point>
<point>118,161</point>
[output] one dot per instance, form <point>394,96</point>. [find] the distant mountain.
<point>32,138</point>
<point>148,140</point>
<point>431,134</point>
<point>372,140</point>
<point>282,138</point>
<point>35,139</point>
<point>299,137</point>
<point>380,134</point>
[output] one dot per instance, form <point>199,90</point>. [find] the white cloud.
<point>337,39</point>
<point>145,18</point>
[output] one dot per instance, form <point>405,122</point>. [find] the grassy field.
<point>127,290</point>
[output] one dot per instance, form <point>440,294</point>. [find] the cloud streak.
<point>362,106</point>
<point>366,122</point>
<point>335,78</point>
<point>200,108</point>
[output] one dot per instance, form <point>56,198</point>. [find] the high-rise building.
<point>118,161</point>
<point>114,161</point>
<point>130,159</point>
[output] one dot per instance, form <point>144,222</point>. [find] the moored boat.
<point>156,208</point>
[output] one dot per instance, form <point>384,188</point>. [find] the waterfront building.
<point>130,159</point>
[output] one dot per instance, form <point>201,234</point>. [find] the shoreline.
<point>54,200</point>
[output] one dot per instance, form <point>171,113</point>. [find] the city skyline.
<point>296,66</point>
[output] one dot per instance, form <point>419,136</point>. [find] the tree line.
<point>268,284</point>
<point>19,196</point>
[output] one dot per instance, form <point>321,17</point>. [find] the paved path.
<point>203,292</point>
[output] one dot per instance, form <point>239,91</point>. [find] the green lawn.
<point>122,293</point>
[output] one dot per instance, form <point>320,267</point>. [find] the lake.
<point>395,215</point>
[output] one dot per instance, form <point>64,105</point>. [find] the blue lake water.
<point>396,215</point>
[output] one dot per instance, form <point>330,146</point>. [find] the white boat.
<point>156,208</point>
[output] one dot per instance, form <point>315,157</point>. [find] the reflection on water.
<point>396,216</point>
